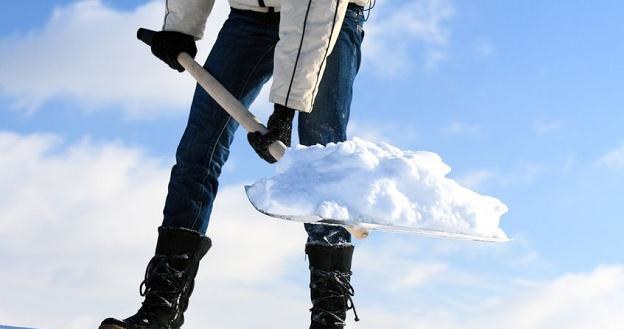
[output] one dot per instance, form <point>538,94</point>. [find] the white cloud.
<point>613,159</point>
<point>78,224</point>
<point>576,301</point>
<point>87,52</point>
<point>68,214</point>
<point>395,33</point>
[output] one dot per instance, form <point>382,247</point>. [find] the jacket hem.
<point>295,104</point>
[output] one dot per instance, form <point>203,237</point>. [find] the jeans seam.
<point>225,125</point>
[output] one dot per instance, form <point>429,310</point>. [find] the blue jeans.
<point>242,60</point>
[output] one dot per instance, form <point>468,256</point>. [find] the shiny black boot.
<point>330,288</point>
<point>169,281</point>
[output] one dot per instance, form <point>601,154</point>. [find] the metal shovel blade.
<point>363,225</point>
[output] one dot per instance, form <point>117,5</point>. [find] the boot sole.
<point>110,326</point>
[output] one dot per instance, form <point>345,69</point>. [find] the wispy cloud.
<point>543,127</point>
<point>397,31</point>
<point>419,274</point>
<point>484,48</point>
<point>520,174</point>
<point>475,179</point>
<point>388,131</point>
<point>613,159</point>
<point>523,173</point>
<point>457,128</point>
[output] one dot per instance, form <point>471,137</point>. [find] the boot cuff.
<point>330,258</point>
<point>176,241</point>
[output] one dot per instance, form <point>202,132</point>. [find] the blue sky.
<point>523,100</point>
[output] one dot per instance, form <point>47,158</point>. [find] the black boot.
<point>169,281</point>
<point>330,287</point>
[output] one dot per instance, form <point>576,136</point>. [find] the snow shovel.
<point>238,112</point>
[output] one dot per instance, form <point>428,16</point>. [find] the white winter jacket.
<point>308,31</point>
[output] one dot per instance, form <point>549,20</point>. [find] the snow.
<point>363,182</point>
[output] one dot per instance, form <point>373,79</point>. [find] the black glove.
<point>280,128</point>
<point>167,45</point>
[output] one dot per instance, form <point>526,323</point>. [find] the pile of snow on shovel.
<point>363,182</point>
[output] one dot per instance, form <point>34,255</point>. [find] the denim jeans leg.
<point>328,120</point>
<point>242,60</point>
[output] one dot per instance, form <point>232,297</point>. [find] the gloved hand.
<point>280,128</point>
<point>167,45</point>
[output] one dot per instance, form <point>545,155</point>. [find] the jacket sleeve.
<point>308,31</point>
<point>187,16</point>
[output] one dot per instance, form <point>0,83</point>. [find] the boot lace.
<point>337,287</point>
<point>163,286</point>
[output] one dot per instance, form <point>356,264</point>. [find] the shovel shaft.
<point>228,102</point>
<point>221,95</point>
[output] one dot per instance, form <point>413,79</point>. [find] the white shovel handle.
<point>228,102</point>
<point>232,106</point>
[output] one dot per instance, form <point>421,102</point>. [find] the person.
<point>311,49</point>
